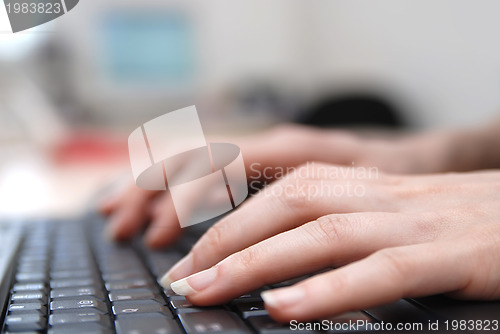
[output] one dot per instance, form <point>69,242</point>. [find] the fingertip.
<point>166,281</point>
<point>181,269</point>
<point>182,287</point>
<point>269,300</point>
<point>121,226</point>
<point>152,241</point>
<point>282,302</point>
<point>158,237</point>
<point>278,314</point>
<point>284,297</point>
<point>107,206</point>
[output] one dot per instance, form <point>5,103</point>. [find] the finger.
<point>185,206</point>
<point>130,215</point>
<point>381,278</point>
<point>268,214</point>
<point>164,227</point>
<point>292,145</point>
<point>332,240</point>
<point>108,205</point>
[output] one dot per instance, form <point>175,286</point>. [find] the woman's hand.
<point>284,146</point>
<point>390,236</point>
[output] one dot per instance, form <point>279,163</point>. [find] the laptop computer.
<point>62,277</point>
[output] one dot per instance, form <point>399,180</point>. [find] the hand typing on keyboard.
<point>390,235</point>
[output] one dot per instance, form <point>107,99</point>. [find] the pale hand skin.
<point>407,236</point>
<point>287,146</point>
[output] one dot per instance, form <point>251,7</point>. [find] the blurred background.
<point>72,90</point>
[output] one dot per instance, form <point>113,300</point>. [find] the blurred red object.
<point>91,148</point>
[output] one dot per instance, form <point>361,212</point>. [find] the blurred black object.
<point>353,110</point>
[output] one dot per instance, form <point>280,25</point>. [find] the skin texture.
<point>391,235</point>
<point>406,236</point>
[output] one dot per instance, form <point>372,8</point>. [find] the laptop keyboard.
<point>68,280</point>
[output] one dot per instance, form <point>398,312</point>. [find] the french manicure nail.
<point>195,282</point>
<point>283,297</point>
<point>181,269</point>
<point>166,280</point>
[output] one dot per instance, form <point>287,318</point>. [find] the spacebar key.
<point>149,323</point>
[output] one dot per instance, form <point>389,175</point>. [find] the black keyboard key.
<point>79,318</point>
<point>266,325</point>
<point>77,292</point>
<point>70,266</point>
<point>138,307</point>
<point>250,309</point>
<point>253,296</point>
<point>134,294</point>
<point>31,277</point>
<point>133,324</point>
<point>171,294</point>
<point>72,282</point>
<point>86,328</point>
<point>180,303</point>
<point>212,321</point>
<point>115,267</point>
<point>65,274</point>
<point>29,286</point>
<point>183,306</point>
<point>290,282</point>
<point>453,309</point>
<point>400,311</point>
<point>81,303</point>
<point>39,267</point>
<point>128,284</point>
<point>124,275</point>
<point>29,296</point>
<point>161,262</point>
<point>29,262</point>
<point>362,321</point>
<point>28,307</point>
<point>25,322</point>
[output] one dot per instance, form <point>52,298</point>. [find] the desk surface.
<point>32,184</point>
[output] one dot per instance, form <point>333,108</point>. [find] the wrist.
<point>476,149</point>
<point>466,150</point>
<point>429,152</point>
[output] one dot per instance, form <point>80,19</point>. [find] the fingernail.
<point>181,269</point>
<point>195,282</point>
<point>283,297</point>
<point>165,281</point>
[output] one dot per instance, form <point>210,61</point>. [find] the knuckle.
<point>425,189</point>
<point>331,229</point>
<point>214,236</point>
<point>398,265</point>
<point>247,258</point>
<point>480,243</point>
<point>293,192</point>
<point>213,240</point>
<point>425,226</point>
